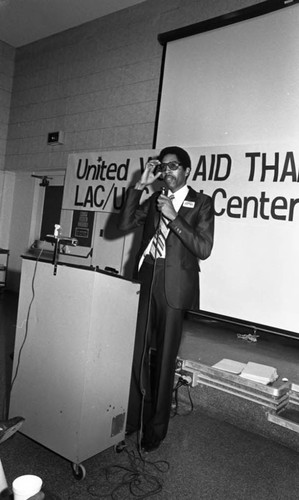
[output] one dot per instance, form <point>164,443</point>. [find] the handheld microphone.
<point>163,191</point>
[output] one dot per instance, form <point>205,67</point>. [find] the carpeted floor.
<point>201,457</point>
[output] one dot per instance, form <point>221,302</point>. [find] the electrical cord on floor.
<point>181,383</point>
<point>137,478</point>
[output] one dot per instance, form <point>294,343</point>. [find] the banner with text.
<point>253,271</point>
<point>245,182</point>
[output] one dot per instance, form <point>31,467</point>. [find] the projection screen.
<point>230,96</point>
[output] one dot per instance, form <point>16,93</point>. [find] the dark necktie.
<point>157,249</point>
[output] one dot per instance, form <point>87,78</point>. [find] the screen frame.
<point>215,23</point>
<point>236,16</point>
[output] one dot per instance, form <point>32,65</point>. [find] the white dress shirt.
<point>177,200</point>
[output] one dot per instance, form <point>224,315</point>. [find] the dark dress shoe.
<point>148,446</point>
<point>9,427</point>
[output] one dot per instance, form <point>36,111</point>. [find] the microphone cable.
<point>141,386</point>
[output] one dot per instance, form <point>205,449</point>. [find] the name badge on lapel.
<point>189,204</point>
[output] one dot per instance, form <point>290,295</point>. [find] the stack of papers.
<point>259,373</point>
<point>229,365</point>
<point>252,371</point>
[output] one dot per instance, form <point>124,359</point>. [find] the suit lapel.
<point>183,211</point>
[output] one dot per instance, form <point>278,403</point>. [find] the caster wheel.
<point>79,471</point>
<point>118,448</point>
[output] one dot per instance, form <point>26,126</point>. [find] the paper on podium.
<point>229,365</point>
<point>259,373</point>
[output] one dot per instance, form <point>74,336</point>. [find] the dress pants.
<point>158,330</point>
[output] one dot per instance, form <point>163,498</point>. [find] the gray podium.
<point>73,355</point>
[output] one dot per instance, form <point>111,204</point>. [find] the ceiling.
<point>25,21</point>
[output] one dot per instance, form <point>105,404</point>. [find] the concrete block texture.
<point>7,55</point>
<point>98,82</point>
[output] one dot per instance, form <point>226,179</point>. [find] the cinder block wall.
<point>98,83</point>
<point>7,54</point>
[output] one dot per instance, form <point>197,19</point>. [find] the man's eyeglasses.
<point>172,165</point>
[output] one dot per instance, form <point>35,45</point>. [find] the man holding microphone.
<point>178,232</point>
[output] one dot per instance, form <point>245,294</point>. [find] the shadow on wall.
<point>13,280</point>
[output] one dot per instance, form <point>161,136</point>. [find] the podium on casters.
<point>73,356</point>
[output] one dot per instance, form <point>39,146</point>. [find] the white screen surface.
<point>234,91</point>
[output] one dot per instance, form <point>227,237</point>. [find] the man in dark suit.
<point>178,231</point>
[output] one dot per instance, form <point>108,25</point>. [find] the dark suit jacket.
<point>190,239</point>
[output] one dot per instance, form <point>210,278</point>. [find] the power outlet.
<point>187,372</point>
<point>188,376</point>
